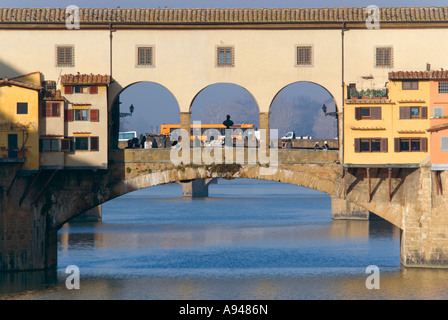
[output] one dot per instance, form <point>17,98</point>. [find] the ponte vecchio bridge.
<point>187,50</point>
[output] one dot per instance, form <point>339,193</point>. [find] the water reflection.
<point>273,241</point>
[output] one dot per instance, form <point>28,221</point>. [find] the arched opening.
<point>142,108</point>
<point>213,103</point>
<point>305,108</point>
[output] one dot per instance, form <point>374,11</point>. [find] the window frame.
<point>51,141</point>
<point>138,63</point>
<point>375,113</point>
<point>442,144</point>
<point>382,64</point>
<point>422,141</point>
<point>81,111</point>
<point>434,113</point>
<point>21,105</point>
<point>62,62</point>
<point>304,62</point>
<point>382,145</point>
<point>75,143</point>
<point>225,64</point>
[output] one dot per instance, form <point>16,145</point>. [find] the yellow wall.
<point>9,97</point>
<point>390,126</point>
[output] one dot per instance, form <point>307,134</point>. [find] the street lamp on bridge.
<point>332,114</point>
<point>126,114</point>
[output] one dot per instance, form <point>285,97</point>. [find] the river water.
<point>249,240</point>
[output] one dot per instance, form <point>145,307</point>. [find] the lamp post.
<point>332,114</point>
<point>126,114</point>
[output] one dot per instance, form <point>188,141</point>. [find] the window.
<point>225,57</point>
<point>371,145</point>
<point>22,108</point>
<point>49,85</point>
<point>145,56</point>
<point>413,112</point>
<point>81,143</point>
<point>443,143</point>
<point>50,145</point>
<point>80,89</point>
<point>383,57</point>
<point>443,87</point>
<point>51,109</point>
<point>366,113</point>
<point>65,56</point>
<point>409,85</point>
<point>304,55</point>
<point>411,145</point>
<point>81,114</point>
<point>437,112</point>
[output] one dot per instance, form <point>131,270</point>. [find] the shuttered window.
<point>411,144</point>
<point>51,109</point>
<point>413,112</point>
<point>368,113</point>
<point>371,145</point>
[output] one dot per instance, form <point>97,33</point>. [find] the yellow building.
<point>388,131</point>
<point>19,120</point>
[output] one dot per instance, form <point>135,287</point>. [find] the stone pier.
<point>197,188</point>
<point>344,210</point>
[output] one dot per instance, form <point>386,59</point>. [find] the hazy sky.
<point>218,4</point>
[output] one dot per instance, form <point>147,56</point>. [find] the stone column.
<point>344,210</point>
<point>264,124</point>
<point>185,121</point>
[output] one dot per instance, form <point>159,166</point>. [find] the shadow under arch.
<point>220,90</point>
<point>309,92</point>
<point>158,92</point>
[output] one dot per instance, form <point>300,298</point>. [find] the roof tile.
<point>92,79</point>
<point>230,15</point>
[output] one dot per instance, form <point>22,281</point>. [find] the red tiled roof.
<point>215,15</point>
<point>92,79</point>
<point>424,75</point>
<point>5,82</point>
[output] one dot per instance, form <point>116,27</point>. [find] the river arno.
<point>249,240</point>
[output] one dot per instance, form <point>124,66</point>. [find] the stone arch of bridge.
<point>326,179</point>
